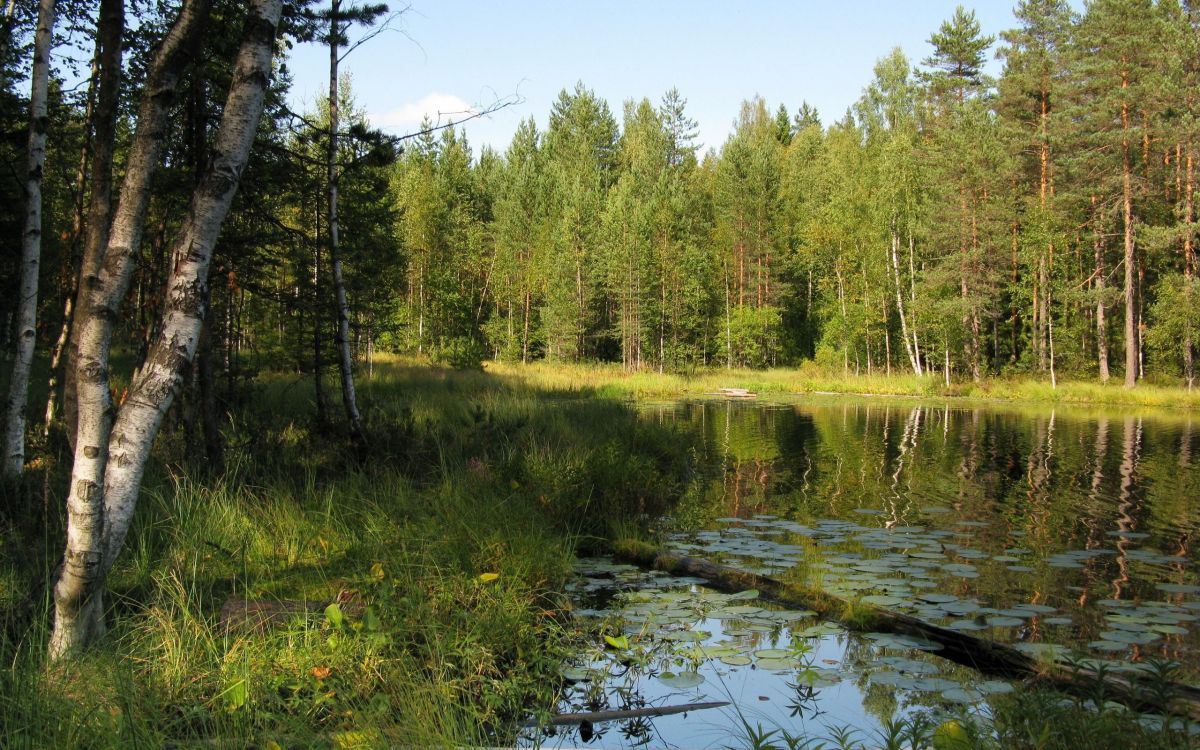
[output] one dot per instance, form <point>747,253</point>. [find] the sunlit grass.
<point>809,378</point>
<point>467,474</point>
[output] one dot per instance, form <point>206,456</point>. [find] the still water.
<point>1068,534</point>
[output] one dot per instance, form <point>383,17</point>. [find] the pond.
<point>1064,533</point>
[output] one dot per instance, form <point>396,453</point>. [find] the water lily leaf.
<point>1170,629</point>
<point>728,613</point>
<point>1178,588</point>
<point>1048,650</point>
<point>772,653</point>
<point>994,687</point>
<point>744,595</point>
<point>736,660</point>
<point>886,677</point>
<point>937,598</point>
<point>881,600</point>
<point>577,674</point>
<point>790,615</point>
<point>681,681</point>
<point>776,665</point>
<point>962,695</point>
<point>1125,636</point>
<point>1041,609</point>
<point>933,684</point>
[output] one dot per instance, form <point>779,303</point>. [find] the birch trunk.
<point>109,463</point>
<point>345,361</point>
<point>908,345</point>
<point>31,247</point>
<point>78,211</point>
<point>110,31</point>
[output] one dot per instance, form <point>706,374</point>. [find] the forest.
<point>1039,222</point>
<point>212,300</point>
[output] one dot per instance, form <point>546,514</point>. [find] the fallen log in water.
<point>733,393</point>
<point>595,717</point>
<point>985,655</point>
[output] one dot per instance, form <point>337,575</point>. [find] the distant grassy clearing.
<point>612,380</point>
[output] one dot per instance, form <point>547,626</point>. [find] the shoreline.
<point>791,383</point>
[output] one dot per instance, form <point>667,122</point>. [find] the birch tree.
<point>110,31</point>
<point>31,246</point>
<point>114,443</point>
<point>340,19</point>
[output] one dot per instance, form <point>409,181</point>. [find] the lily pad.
<point>1178,588</point>
<point>776,665</point>
<point>577,674</point>
<point>962,695</point>
<point>681,681</point>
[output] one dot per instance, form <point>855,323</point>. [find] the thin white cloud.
<point>437,106</point>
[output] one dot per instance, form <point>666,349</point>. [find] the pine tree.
<point>1113,71</point>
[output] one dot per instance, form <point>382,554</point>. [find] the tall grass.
<point>467,474</point>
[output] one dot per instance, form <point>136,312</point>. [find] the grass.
<point>467,475</point>
<point>809,378</point>
<point>448,542</point>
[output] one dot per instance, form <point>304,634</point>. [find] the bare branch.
<point>386,25</point>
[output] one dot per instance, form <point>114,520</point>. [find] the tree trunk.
<point>908,345</point>
<point>345,361</point>
<point>110,31</point>
<point>1189,264</point>
<point>322,401</point>
<point>78,221</point>
<point>31,247</point>
<point>77,600</point>
<point>109,464</point>
<point>1131,332</point>
<point>1101,325</point>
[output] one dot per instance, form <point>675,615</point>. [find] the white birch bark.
<point>109,467</point>
<point>345,361</point>
<point>31,247</point>
<point>110,33</point>
<point>908,345</point>
<point>174,347</point>
<point>77,607</point>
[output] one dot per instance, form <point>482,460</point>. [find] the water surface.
<point>1065,533</point>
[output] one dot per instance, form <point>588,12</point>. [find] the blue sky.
<point>454,54</point>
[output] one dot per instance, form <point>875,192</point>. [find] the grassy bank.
<point>809,378</point>
<point>446,544</point>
